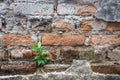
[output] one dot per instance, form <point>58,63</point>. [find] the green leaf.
<point>35,48</point>
<point>45,61</point>
<point>40,50</point>
<point>47,58</point>
<point>39,44</point>
<point>41,62</point>
<point>37,57</point>
<point>44,53</point>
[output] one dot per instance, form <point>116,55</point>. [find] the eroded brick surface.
<point>93,25</point>
<point>107,69</point>
<point>104,40</point>
<point>62,25</point>
<point>64,40</point>
<point>113,26</point>
<point>22,54</point>
<point>15,40</point>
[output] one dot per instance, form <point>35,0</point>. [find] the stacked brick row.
<point>68,29</point>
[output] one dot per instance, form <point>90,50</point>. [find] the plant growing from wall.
<point>41,57</point>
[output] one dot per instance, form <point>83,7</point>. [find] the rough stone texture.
<point>114,77</point>
<point>40,24</point>
<point>64,40</point>
<point>74,9</point>
<point>15,25</point>
<point>30,1</point>
<point>84,67</point>
<point>3,8</point>
<point>36,77</point>
<point>114,54</point>
<point>61,76</point>
<point>104,40</point>
<point>109,11</point>
<point>14,39</point>
<point>101,52</point>
<point>32,8</point>
<point>56,66</point>
<point>13,78</point>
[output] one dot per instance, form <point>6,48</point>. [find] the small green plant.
<point>41,57</point>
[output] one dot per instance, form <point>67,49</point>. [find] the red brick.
<point>63,40</point>
<point>104,40</point>
<point>16,54</point>
<point>21,54</point>
<point>17,40</point>
<point>94,25</point>
<point>87,10</point>
<point>51,55</point>
<point>86,25</point>
<point>113,26</point>
<point>18,67</point>
<point>62,25</point>
<point>107,69</point>
<point>27,52</point>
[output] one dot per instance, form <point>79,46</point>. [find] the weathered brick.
<point>104,40</point>
<point>3,55</point>
<point>17,40</point>
<point>67,54</point>
<point>94,25</point>
<point>27,52</point>
<point>51,54</point>
<point>64,40</point>
<point>75,9</point>
<point>32,8</point>
<point>86,25</point>
<point>62,25</point>
<point>18,68</point>
<point>21,54</point>
<point>113,26</point>
<point>107,69</point>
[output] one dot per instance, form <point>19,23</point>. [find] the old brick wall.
<point>68,29</point>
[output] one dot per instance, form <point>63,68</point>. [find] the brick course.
<point>63,40</point>
<point>14,40</point>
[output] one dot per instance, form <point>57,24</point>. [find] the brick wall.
<point>68,29</point>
